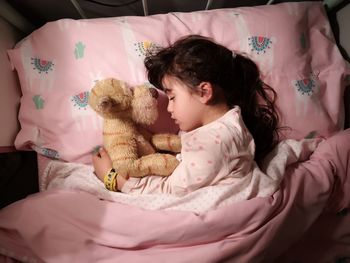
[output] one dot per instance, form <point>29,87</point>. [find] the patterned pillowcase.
<point>59,63</point>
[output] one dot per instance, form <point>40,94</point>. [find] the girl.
<point>217,97</point>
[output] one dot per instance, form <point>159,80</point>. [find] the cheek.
<point>178,107</point>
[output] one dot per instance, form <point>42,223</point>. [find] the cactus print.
<point>79,50</point>
<point>38,102</point>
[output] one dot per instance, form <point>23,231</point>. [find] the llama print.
<point>38,145</point>
<point>304,41</point>
<point>66,24</point>
<point>195,17</point>
<point>259,46</point>
<point>39,72</point>
<point>95,76</point>
<point>84,117</point>
<point>146,47</point>
<point>135,61</point>
<point>50,153</point>
<point>294,10</point>
<point>42,66</point>
<point>307,95</point>
<point>300,14</point>
<point>327,31</point>
<point>37,137</point>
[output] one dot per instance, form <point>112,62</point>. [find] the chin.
<point>187,129</point>
<point>183,128</point>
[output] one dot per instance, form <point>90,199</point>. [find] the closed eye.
<point>172,98</point>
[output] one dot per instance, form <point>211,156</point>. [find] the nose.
<point>169,108</point>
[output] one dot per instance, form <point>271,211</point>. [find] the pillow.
<point>59,63</point>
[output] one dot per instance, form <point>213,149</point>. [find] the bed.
<point>68,217</point>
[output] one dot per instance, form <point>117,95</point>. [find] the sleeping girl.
<point>228,115</point>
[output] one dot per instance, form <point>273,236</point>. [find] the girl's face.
<point>184,105</point>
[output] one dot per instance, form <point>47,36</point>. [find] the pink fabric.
<point>234,187</point>
<point>42,161</point>
<point>64,175</point>
<point>73,226</point>
<point>59,63</point>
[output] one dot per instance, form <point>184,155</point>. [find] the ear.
<point>205,92</point>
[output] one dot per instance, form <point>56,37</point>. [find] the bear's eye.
<point>107,103</point>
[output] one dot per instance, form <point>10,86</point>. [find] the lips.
<point>175,120</point>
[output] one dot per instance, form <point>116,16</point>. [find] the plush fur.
<point>131,148</point>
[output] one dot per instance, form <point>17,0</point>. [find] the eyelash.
<point>172,98</point>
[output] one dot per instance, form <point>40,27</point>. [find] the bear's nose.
<point>154,92</point>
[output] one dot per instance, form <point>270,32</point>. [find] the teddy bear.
<point>133,151</point>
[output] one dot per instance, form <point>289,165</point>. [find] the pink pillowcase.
<point>59,63</point>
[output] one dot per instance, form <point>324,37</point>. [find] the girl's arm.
<point>185,178</point>
<point>103,164</point>
<point>202,165</point>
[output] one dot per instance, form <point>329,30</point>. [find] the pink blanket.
<point>304,221</point>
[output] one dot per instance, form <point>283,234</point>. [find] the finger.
<point>102,152</point>
<point>94,159</point>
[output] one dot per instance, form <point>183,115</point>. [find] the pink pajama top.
<point>218,153</point>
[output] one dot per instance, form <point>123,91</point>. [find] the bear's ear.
<point>131,91</point>
<point>154,92</point>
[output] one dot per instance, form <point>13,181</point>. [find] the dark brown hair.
<point>194,59</point>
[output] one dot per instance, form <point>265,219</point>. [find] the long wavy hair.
<point>195,59</point>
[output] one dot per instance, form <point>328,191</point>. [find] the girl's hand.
<point>102,163</point>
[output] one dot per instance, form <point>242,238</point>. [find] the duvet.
<point>305,220</point>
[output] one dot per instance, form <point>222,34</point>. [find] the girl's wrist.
<point>113,181</point>
<point>110,180</point>
<point>120,182</point>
